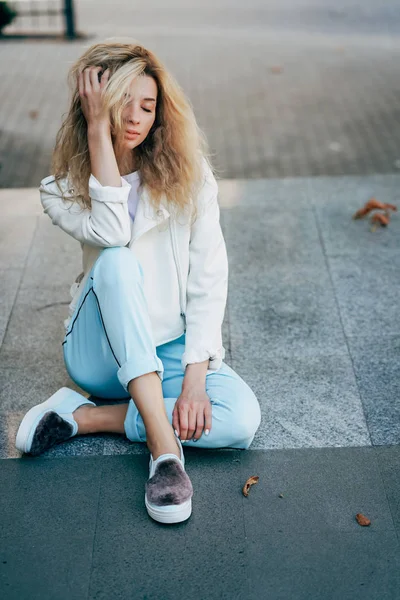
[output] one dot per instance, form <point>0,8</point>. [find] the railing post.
<point>69,19</point>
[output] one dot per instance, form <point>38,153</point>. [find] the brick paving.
<point>331,109</point>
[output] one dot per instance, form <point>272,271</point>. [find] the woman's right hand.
<point>90,92</point>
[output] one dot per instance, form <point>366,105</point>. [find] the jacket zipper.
<point>177,264</point>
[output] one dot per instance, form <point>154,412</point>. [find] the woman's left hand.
<point>192,413</point>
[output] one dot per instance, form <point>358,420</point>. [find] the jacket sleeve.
<point>106,224</point>
<point>207,286</point>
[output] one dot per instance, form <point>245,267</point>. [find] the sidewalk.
<point>312,324</point>
<point>280,88</point>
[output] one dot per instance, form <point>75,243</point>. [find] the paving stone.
<point>323,490</point>
<point>389,465</point>
<point>278,92</point>
<point>161,559</point>
<point>376,365</point>
<point>338,566</point>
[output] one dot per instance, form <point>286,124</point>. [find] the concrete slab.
<point>304,544</point>
<point>367,292</point>
<point>376,361</point>
<point>388,458</point>
<point>336,200</point>
<point>10,282</point>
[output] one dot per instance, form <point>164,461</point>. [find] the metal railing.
<point>42,19</point>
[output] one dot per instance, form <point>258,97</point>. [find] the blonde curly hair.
<point>170,159</point>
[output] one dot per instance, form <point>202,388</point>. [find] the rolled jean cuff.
<point>134,368</point>
<point>130,425</point>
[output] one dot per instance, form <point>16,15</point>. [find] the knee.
<point>116,264</point>
<point>246,417</point>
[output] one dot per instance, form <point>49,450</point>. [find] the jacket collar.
<point>146,216</point>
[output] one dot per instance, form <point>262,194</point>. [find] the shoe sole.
<point>28,425</point>
<point>169,514</point>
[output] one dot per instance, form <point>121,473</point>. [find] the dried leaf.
<point>380,219</point>
<point>373,204</point>
<point>362,520</point>
<point>251,481</point>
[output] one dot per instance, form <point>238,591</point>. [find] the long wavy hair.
<point>171,158</point>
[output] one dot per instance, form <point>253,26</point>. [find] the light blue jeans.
<point>109,342</point>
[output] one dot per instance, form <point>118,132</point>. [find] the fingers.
<point>200,426</point>
<point>208,418</point>
<point>91,79</point>
<point>175,420</point>
<point>183,422</point>
<point>88,80</point>
<point>190,424</point>
<point>104,78</point>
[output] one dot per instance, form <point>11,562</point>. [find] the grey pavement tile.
<point>332,108</point>
<point>287,196</point>
<point>55,497</point>
<point>16,235</point>
<point>388,458</point>
<point>23,387</point>
<point>367,291</point>
<point>54,259</point>
<point>46,566</point>
<point>271,238</point>
<point>36,329</point>
<point>134,555</point>
<point>48,515</point>
<point>34,335</point>
<point>376,360</point>
<point>306,400</point>
<point>323,490</point>
<point>332,566</point>
<point>10,280</point>
<point>82,445</point>
<point>284,309</point>
<point>119,444</point>
<point>336,199</point>
<point>21,204</point>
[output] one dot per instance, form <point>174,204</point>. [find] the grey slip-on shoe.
<point>168,491</point>
<point>50,422</point>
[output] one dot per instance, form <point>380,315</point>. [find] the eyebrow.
<point>146,99</point>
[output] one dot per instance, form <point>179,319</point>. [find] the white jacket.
<point>185,267</point>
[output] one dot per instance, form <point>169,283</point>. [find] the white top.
<point>133,198</point>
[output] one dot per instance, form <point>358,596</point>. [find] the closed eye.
<point>147,109</point>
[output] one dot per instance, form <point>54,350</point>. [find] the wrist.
<point>195,375</point>
<point>98,129</point>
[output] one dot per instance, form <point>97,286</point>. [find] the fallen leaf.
<point>276,69</point>
<point>380,219</point>
<point>373,204</point>
<point>251,481</point>
<point>362,520</point>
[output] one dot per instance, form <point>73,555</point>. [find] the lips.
<point>132,132</point>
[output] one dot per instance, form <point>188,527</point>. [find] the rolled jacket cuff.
<point>215,358</point>
<point>108,193</point>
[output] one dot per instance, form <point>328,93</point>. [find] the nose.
<point>133,114</point>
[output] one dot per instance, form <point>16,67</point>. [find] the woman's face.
<point>140,113</point>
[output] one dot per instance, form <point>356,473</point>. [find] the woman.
<point>133,185</point>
